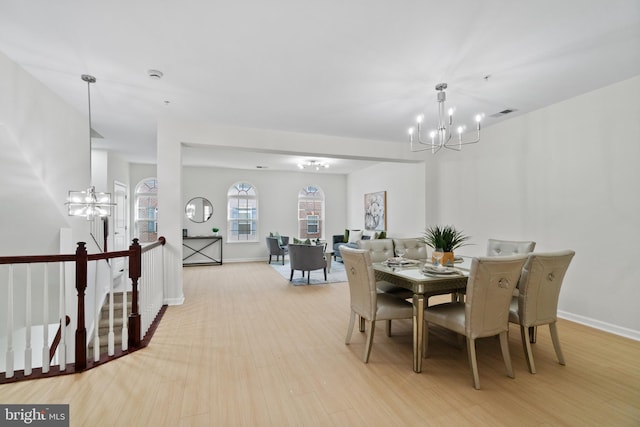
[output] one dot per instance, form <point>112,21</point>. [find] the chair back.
<point>540,284</point>
<point>362,281</point>
<point>489,291</point>
<point>273,246</point>
<point>413,248</point>
<point>379,249</point>
<point>306,257</point>
<point>497,247</point>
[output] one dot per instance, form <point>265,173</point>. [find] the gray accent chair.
<point>307,258</point>
<point>485,312</point>
<point>276,248</point>
<point>537,300</point>
<point>366,302</point>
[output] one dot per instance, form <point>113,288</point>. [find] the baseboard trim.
<point>174,301</point>
<point>603,326</point>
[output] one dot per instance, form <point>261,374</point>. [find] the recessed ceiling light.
<point>262,167</point>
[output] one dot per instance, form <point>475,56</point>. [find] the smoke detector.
<point>155,74</point>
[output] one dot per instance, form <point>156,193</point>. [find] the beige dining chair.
<point>485,312</point>
<point>380,250</point>
<point>537,302</point>
<point>497,247</point>
<point>366,302</point>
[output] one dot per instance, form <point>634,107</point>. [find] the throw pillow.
<point>381,235</point>
<point>279,237</point>
<point>297,241</point>
<point>354,236</point>
<point>307,242</point>
<point>345,239</point>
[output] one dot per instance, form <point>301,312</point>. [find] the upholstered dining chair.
<point>485,312</point>
<point>276,248</point>
<point>365,299</point>
<point>307,258</point>
<point>537,301</point>
<point>497,247</point>
<point>380,250</point>
<point>413,248</point>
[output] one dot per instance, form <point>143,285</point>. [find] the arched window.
<point>311,213</point>
<point>146,205</point>
<point>242,213</point>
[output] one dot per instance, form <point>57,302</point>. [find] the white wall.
<point>277,204</point>
<point>566,176</point>
<point>37,132</point>
<point>405,186</point>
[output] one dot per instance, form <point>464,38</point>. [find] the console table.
<point>202,250</point>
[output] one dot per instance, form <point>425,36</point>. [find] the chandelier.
<point>89,203</point>
<point>313,164</point>
<point>442,136</point>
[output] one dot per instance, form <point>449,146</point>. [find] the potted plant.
<point>215,231</point>
<point>446,238</point>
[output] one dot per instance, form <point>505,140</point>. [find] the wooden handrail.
<point>81,259</point>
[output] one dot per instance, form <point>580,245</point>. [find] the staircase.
<point>103,324</point>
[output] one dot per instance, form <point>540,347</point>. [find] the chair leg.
<point>269,258</point>
<point>533,334</point>
<point>282,259</point>
<point>388,327</point>
<point>352,320</point>
<point>556,342</point>
<point>471,352</point>
<point>526,345</point>
<point>291,277</point>
<point>308,277</point>
<point>504,346</point>
<point>325,274</point>
<point>361,324</point>
<point>367,348</point>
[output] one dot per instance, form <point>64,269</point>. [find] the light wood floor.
<point>248,349</point>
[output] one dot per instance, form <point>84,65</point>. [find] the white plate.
<point>441,271</point>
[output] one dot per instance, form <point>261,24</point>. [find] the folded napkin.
<point>440,271</point>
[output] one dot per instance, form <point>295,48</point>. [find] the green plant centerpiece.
<point>446,238</point>
<point>215,231</point>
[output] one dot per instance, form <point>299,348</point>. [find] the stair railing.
<point>21,284</point>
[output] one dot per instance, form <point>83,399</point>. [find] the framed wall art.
<point>375,211</point>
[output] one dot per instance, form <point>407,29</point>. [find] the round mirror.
<point>199,209</point>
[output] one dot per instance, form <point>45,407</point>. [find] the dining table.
<point>425,280</point>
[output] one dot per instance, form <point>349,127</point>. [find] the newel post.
<point>81,286</point>
<point>135,269</point>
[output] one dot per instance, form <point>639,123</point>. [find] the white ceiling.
<point>357,68</point>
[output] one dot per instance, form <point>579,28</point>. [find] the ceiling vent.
<point>503,112</point>
<point>155,74</point>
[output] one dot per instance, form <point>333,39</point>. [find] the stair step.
<point>103,324</point>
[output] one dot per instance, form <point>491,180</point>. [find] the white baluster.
<point>111,338</point>
<point>45,322</point>
<point>9,358</point>
<point>125,329</point>
<point>62,346</point>
<point>96,320</point>
<point>27,338</point>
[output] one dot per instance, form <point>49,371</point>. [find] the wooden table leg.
<point>418,326</point>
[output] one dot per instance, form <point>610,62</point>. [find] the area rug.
<point>336,275</point>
